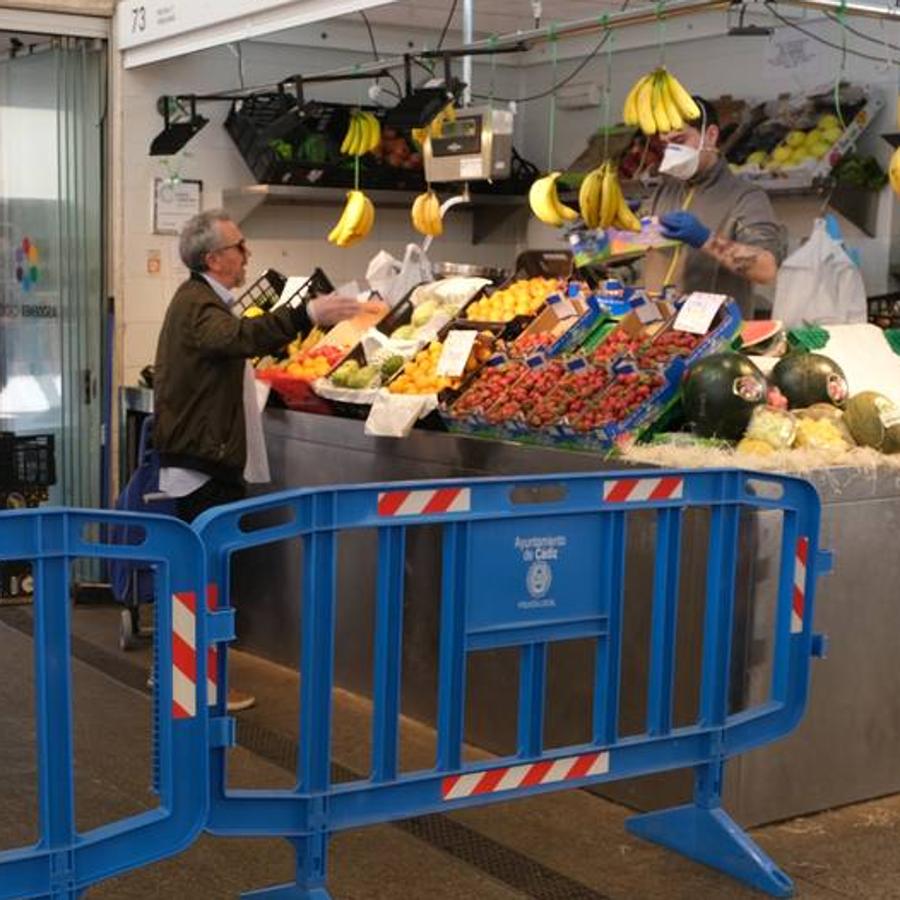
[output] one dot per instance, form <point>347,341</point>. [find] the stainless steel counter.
<point>845,749</point>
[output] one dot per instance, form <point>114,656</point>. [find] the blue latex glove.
<point>685,227</point>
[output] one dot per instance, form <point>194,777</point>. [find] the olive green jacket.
<point>198,377</point>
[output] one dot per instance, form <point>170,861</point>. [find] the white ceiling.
<point>491,16</point>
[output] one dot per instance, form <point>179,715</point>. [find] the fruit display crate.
<point>289,144</point>
<point>806,176</point>
<point>622,380</point>
<point>27,461</point>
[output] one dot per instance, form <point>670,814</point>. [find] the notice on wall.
<point>174,202</point>
<point>789,56</point>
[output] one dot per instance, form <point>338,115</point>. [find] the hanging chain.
<point>606,106</point>
<point>555,51</point>
<point>661,30</point>
<point>842,20</point>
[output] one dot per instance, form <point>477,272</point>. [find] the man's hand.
<point>685,227</point>
<point>333,308</point>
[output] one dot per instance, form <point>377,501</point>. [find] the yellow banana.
<point>645,107</point>
<point>540,203</point>
<point>433,209</point>
<point>348,137</point>
<point>663,125</point>
<point>589,198</point>
<point>545,203</point>
<point>630,113</point>
<point>894,171</point>
<point>676,120</point>
<point>355,211</point>
<point>415,214</point>
<point>689,110</point>
<point>426,215</point>
<point>607,197</point>
<point>625,218</point>
<point>363,226</point>
<point>373,133</point>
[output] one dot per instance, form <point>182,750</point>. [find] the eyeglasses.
<point>240,245</point>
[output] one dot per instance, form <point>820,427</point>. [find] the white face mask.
<point>680,161</point>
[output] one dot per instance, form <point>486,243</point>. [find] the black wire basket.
<point>26,460</point>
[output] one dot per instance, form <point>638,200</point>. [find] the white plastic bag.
<point>818,283</point>
<point>393,415</point>
<point>394,279</point>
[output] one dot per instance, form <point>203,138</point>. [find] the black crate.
<point>264,292</point>
<point>315,286</point>
<point>27,461</point>
<point>884,310</point>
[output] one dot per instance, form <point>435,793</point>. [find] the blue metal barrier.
<point>64,862</point>
<point>526,562</point>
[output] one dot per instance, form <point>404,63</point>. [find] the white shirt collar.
<point>224,294</point>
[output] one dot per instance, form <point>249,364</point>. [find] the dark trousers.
<point>213,493</point>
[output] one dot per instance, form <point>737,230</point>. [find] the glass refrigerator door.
<point>51,268</point>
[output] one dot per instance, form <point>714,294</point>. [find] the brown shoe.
<point>239,700</point>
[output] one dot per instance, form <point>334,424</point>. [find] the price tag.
<point>698,312</point>
<point>647,313</point>
<point>562,306</point>
<point>457,348</point>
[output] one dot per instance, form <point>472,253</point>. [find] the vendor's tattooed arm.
<point>753,263</point>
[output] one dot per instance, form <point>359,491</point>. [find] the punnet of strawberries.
<point>626,393</point>
<point>520,398</point>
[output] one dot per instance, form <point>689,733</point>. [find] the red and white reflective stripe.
<point>492,781</point>
<point>631,490</point>
<point>212,667</point>
<point>184,655</point>
<point>424,503</point>
<point>799,595</point>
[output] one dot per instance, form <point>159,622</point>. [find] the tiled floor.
<point>565,845</point>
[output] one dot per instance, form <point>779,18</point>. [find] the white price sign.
<point>457,349</point>
<point>698,312</point>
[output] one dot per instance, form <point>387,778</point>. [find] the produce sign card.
<point>697,314</point>
<point>457,349</point>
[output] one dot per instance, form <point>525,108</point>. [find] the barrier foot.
<point>289,892</point>
<point>712,837</point>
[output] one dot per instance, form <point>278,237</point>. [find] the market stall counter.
<point>839,754</point>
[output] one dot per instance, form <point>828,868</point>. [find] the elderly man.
<point>730,237</point>
<point>205,409</point>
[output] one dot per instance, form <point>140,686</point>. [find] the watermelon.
<point>761,334</point>
<point>874,421</point>
<point>808,378</point>
<point>720,393</point>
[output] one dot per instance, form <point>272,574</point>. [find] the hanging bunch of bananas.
<point>363,135</point>
<point>435,128</point>
<point>426,215</point>
<point>355,222</point>
<point>894,171</point>
<point>545,202</point>
<point>602,202</point>
<point>658,103</point>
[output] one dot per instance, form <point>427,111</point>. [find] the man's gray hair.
<point>200,236</point>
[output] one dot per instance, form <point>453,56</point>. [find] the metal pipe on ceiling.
<point>468,35</point>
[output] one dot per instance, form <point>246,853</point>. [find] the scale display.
<point>476,146</point>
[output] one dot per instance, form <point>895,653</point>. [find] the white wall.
<point>288,238</point>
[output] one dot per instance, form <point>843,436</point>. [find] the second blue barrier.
<point>527,562</point>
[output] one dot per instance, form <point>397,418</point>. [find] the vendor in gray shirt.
<point>730,240</point>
